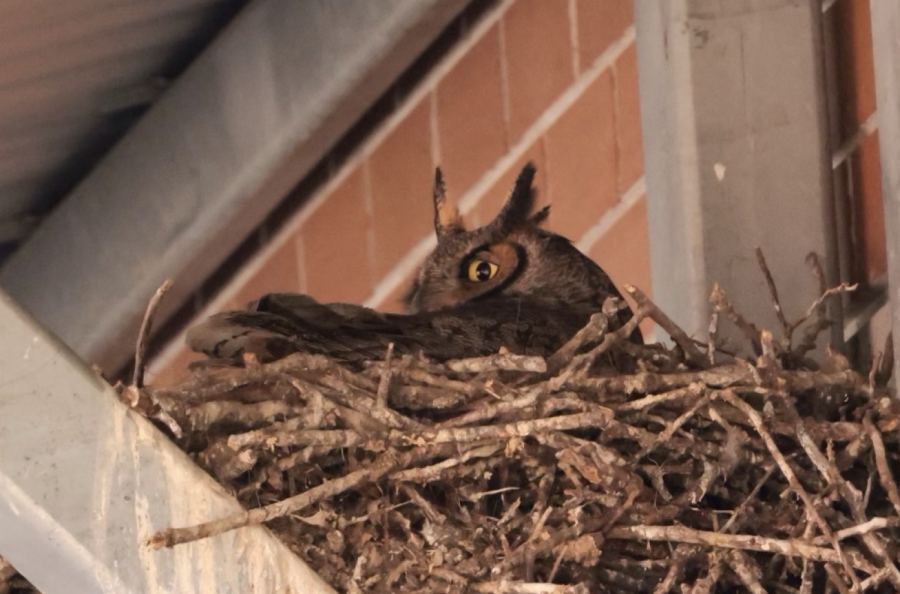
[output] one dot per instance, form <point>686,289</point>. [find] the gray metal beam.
<point>886,45</point>
<point>84,482</point>
<point>235,133</point>
<point>736,153</point>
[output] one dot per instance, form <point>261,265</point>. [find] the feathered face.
<point>508,256</point>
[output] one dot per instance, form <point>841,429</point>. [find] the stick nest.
<point>607,467</point>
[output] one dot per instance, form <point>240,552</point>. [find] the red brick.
<point>492,201</point>
<point>867,179</point>
<point>394,302</point>
<point>581,161</point>
<point>624,252</point>
<point>855,63</point>
<point>335,241</point>
<point>538,51</point>
<point>628,121</point>
<point>401,173</point>
<point>175,371</point>
<point>470,114</point>
<point>277,272</point>
<point>600,22</point>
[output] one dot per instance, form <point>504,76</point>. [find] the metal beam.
<point>84,482</point>
<point>235,133</point>
<point>736,153</point>
<point>886,45</point>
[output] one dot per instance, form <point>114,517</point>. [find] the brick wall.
<point>551,81</point>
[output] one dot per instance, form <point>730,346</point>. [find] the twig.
<point>835,578</point>
<point>860,529</point>
<point>738,374</point>
<point>498,362</point>
<point>384,464</point>
<point>144,333</point>
<point>721,304</point>
<point>739,509</point>
<point>580,363</point>
<point>676,568</point>
<point>672,329</point>
<point>773,294</point>
<point>711,337</point>
<point>674,425</point>
<point>747,571</point>
<point>748,542</point>
<point>597,418</point>
<point>885,476</point>
<point>520,588</point>
<point>823,322</point>
<point>384,384</point>
<point>819,302</point>
<point>595,329</point>
<point>705,584</point>
<point>886,369</point>
<point>489,411</point>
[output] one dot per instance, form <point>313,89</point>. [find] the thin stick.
<point>838,581</point>
<point>665,322</point>
<point>747,571</point>
<point>383,465</point>
<point>705,584</point>
<point>505,587</point>
<point>595,329</point>
<point>748,542</point>
<point>498,362</point>
<point>597,418</point>
<point>721,304</point>
<point>773,294</point>
<point>739,509</point>
<point>885,476</point>
<point>384,384</point>
<point>864,528</point>
<point>841,288</point>
<point>711,337</point>
<point>144,334</point>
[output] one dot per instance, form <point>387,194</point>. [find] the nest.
<point>683,469</point>
<point>692,471</point>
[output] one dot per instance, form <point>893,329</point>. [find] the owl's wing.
<point>286,323</point>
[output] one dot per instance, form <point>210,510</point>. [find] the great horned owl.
<point>508,284</point>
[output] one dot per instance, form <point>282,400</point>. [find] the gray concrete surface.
<point>886,44</point>
<point>84,482</point>
<point>736,154</point>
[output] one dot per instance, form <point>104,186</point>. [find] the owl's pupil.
<point>483,271</point>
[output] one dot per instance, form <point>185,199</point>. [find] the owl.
<point>507,284</point>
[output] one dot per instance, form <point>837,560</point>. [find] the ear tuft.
<point>538,218</point>
<point>446,214</point>
<point>519,203</point>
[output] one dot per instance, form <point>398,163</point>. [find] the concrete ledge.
<point>84,482</point>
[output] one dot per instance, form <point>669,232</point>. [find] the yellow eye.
<point>481,270</point>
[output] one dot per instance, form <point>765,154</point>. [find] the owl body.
<point>508,284</point>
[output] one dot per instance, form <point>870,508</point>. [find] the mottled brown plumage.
<point>508,284</point>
